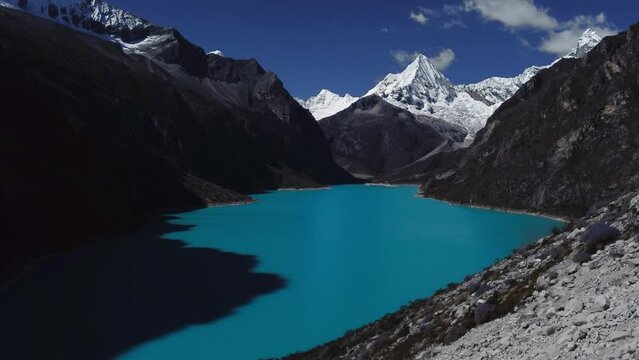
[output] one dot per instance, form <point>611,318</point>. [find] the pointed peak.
<point>326,92</point>
<point>216,52</point>
<point>587,41</point>
<point>420,59</point>
<point>590,33</point>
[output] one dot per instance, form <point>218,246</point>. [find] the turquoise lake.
<point>349,255</point>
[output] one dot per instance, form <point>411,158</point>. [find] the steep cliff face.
<point>568,140</point>
<point>372,137</point>
<point>96,139</point>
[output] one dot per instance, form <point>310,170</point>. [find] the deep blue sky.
<point>340,45</point>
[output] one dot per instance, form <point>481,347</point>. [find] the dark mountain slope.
<point>95,140</point>
<point>568,140</point>
<point>373,138</point>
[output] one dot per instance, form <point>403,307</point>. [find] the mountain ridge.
<point>424,90</point>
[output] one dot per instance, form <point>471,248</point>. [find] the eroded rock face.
<point>569,139</point>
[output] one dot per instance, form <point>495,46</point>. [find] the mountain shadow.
<point>99,301</point>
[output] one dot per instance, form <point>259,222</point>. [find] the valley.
<point>506,226</point>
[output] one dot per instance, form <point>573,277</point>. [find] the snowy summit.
<point>326,103</point>
<point>424,90</point>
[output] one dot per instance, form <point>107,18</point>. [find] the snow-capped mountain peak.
<point>420,80</point>
<point>216,52</point>
<point>326,103</point>
<point>94,16</point>
<point>423,71</point>
<point>424,90</point>
<point>588,40</point>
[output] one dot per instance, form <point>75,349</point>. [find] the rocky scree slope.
<point>372,137</point>
<point>565,142</point>
<point>583,307</point>
<point>96,139</point>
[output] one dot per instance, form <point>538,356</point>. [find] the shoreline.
<point>483,207</point>
<point>502,209</point>
<point>234,203</point>
<point>305,189</point>
<point>383,185</point>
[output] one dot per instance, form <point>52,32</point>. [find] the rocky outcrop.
<point>567,141</point>
<point>372,138</point>
<point>95,139</point>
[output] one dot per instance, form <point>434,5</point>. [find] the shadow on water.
<point>101,300</point>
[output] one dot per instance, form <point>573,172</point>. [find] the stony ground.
<point>584,311</point>
<point>578,311</point>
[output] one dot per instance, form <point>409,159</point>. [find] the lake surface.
<point>349,255</point>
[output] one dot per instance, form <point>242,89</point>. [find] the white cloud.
<point>443,60</point>
<point>384,30</point>
<point>513,13</point>
<point>453,16</point>
<point>562,40</point>
<point>450,9</point>
<point>560,37</point>
<point>560,43</point>
<point>404,58</point>
<point>418,17</point>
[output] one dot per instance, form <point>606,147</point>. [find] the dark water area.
<point>99,301</point>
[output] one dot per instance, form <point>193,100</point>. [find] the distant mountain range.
<point>424,90</point>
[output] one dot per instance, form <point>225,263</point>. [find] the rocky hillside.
<point>95,139</point>
<point>372,137</point>
<point>567,141</point>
